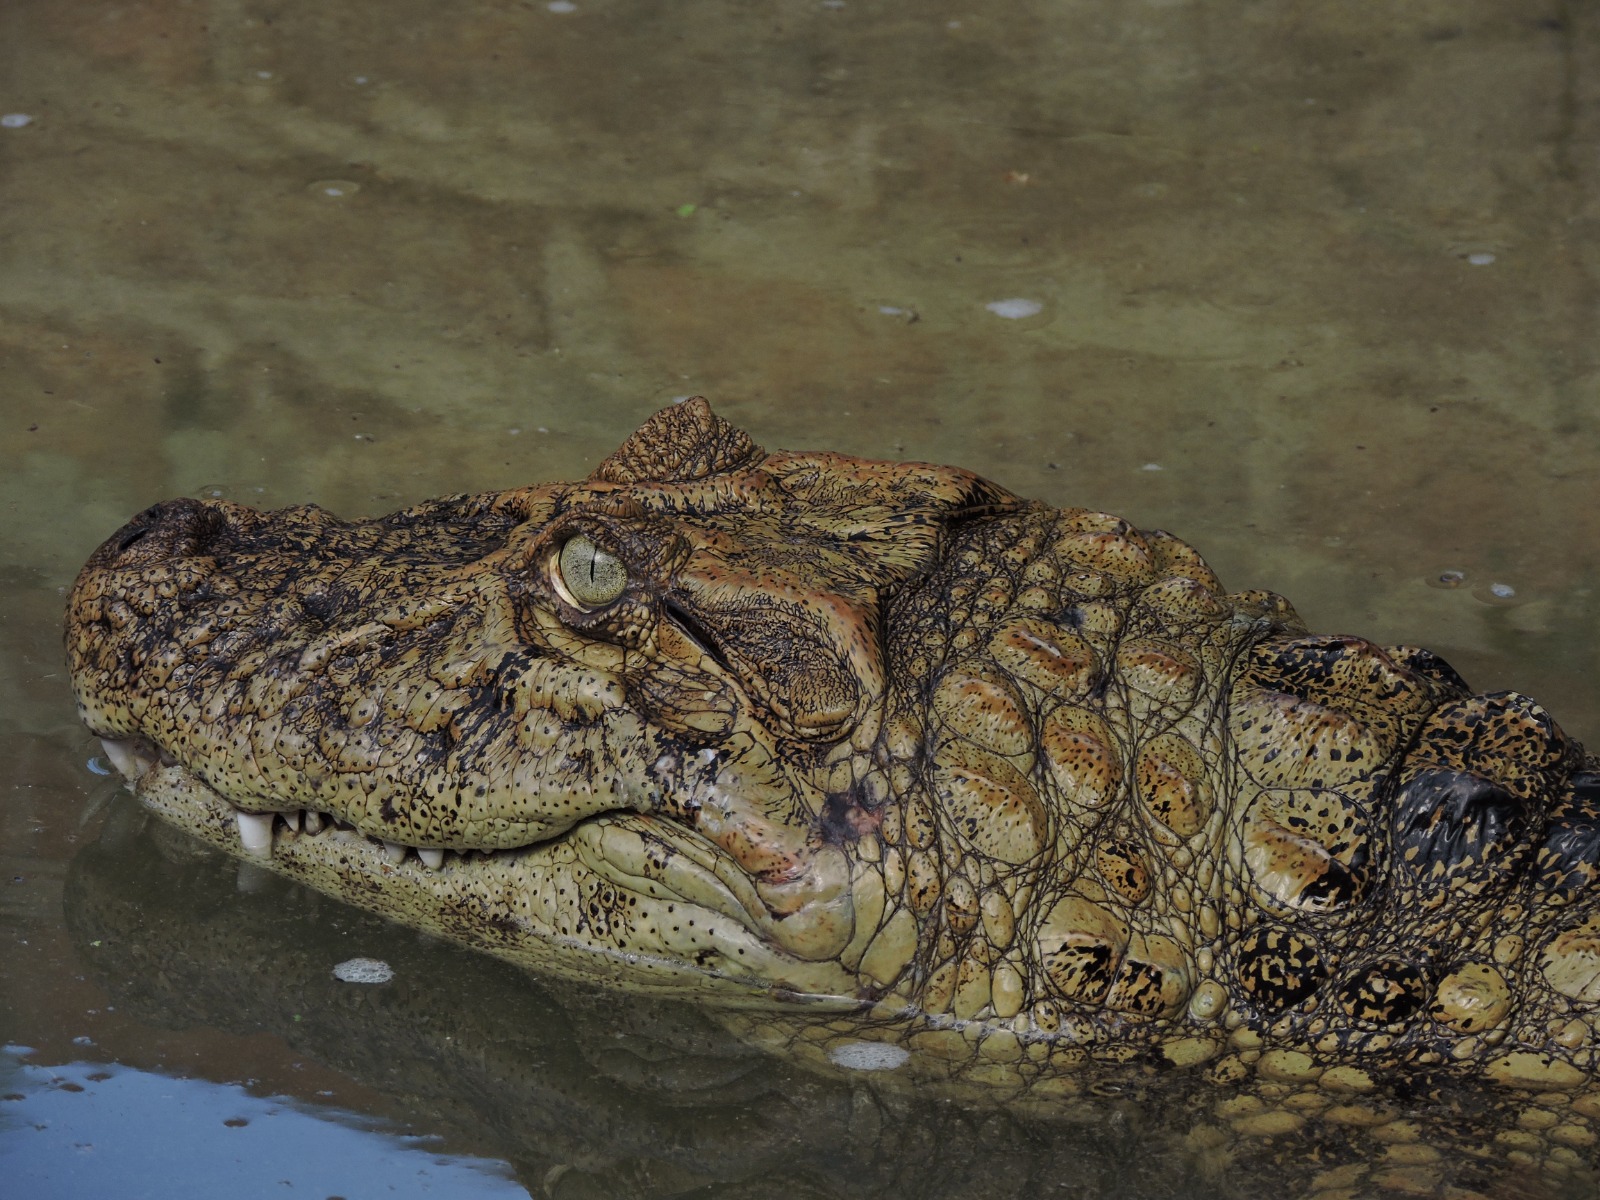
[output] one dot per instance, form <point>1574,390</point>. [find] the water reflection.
<point>99,1129</point>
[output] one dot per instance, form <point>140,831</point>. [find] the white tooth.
<point>291,820</point>
<point>126,757</point>
<point>255,831</point>
<point>432,859</point>
<point>395,851</point>
<point>313,821</point>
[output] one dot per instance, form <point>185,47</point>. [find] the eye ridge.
<point>589,576</point>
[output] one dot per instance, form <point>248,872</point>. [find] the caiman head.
<point>604,727</point>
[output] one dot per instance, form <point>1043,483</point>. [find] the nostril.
<point>173,529</point>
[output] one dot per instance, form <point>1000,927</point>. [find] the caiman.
<point>1019,790</point>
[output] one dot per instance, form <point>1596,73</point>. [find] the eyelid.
<point>553,573</point>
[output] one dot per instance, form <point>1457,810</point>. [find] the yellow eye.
<point>590,576</point>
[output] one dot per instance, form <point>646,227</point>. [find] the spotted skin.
<point>975,771</point>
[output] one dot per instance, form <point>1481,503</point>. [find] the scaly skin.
<point>972,770</point>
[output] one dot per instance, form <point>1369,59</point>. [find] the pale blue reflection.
<point>103,1130</point>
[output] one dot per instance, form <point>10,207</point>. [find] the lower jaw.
<point>517,904</point>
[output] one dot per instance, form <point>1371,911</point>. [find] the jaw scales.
<point>132,757</point>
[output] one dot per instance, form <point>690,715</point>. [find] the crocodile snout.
<point>170,530</point>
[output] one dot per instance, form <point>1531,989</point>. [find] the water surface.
<point>1313,286</point>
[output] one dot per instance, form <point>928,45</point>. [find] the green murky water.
<point>1312,286</point>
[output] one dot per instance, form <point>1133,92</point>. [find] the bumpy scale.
<point>1020,787</point>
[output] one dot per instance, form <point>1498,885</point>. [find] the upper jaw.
<point>400,696</point>
<point>437,696</point>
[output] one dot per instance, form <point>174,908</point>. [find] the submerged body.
<point>1024,784</point>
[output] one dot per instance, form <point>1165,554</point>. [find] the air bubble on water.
<point>1015,308</point>
<point>562,6</point>
<point>363,970</point>
<point>1447,577</point>
<point>334,188</point>
<point>100,766</point>
<point>868,1056</point>
<point>1481,259</point>
<point>15,120</point>
<point>1500,594</point>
